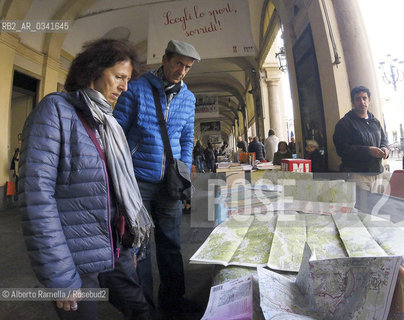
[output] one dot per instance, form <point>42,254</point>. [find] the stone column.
<point>357,52</point>
<point>264,106</point>
<point>275,103</point>
<point>50,76</point>
<point>245,121</point>
<point>238,127</point>
<point>274,107</point>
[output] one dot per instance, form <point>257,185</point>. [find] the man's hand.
<point>68,304</point>
<point>376,152</point>
<point>386,152</point>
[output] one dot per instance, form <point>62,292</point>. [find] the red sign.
<point>296,165</point>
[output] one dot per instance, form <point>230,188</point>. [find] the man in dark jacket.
<point>241,144</point>
<point>199,156</point>
<point>360,140</point>
<point>135,111</point>
<point>210,158</point>
<point>257,147</point>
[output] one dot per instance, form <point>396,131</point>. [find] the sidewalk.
<point>16,272</point>
<point>395,162</point>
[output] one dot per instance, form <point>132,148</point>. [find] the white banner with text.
<point>216,28</point>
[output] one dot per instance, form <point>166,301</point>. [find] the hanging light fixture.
<point>281,56</point>
<point>392,71</point>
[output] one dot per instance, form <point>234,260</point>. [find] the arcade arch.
<point>47,57</point>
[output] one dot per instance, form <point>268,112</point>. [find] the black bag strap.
<point>163,126</point>
<point>91,134</point>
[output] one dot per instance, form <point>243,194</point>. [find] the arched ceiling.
<point>226,78</point>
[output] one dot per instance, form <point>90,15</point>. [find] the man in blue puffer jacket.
<point>135,111</point>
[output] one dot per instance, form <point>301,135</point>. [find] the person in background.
<point>241,144</point>
<point>250,139</point>
<point>199,156</point>
<point>282,153</point>
<point>15,159</point>
<point>313,154</point>
<point>257,147</point>
<point>210,158</point>
<point>14,165</point>
<point>292,145</point>
<point>270,145</point>
<point>216,151</point>
<point>81,207</point>
<point>360,141</point>
<point>225,150</point>
<point>222,148</point>
<point>135,111</point>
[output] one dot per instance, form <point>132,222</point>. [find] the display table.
<point>347,253</point>
<point>238,173</point>
<point>235,173</point>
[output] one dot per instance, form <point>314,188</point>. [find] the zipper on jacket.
<point>166,115</point>
<point>135,149</point>
<point>109,215</point>
<point>163,164</point>
<point>92,135</point>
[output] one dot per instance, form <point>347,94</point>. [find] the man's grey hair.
<point>312,143</point>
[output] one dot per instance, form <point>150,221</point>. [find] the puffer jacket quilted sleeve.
<point>64,200</point>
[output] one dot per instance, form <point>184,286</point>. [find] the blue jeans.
<point>199,163</point>
<point>211,165</point>
<point>166,214</point>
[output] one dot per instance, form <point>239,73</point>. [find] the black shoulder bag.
<point>178,174</point>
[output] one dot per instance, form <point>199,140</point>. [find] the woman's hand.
<point>70,303</point>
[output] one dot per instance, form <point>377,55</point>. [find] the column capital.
<point>273,81</point>
<point>272,72</point>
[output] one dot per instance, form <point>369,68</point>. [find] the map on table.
<point>278,240</point>
<point>358,288</point>
<point>310,196</point>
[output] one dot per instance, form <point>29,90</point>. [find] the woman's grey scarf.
<point>120,166</point>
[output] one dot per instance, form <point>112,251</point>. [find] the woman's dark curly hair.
<point>283,142</point>
<point>97,56</point>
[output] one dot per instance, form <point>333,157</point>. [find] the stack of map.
<point>310,196</point>
<point>333,289</point>
<point>277,240</point>
<point>247,199</point>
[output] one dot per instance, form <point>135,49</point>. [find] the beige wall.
<point>21,106</point>
<point>14,55</point>
<point>7,54</point>
<point>51,76</point>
